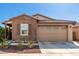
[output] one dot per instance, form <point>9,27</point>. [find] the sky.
<point>60,11</point>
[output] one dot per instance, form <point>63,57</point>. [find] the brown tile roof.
<point>43,16</point>
<point>52,20</point>
<point>57,21</point>
<point>17,17</point>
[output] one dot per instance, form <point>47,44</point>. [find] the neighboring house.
<point>76,32</point>
<point>39,27</point>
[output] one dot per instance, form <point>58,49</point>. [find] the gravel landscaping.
<point>13,49</point>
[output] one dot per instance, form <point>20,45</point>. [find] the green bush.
<point>20,46</point>
<point>2,34</point>
<point>4,44</point>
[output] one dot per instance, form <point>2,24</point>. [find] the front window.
<point>24,29</point>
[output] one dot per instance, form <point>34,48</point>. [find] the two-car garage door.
<point>52,33</point>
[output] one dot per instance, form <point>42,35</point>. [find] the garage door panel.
<point>52,33</point>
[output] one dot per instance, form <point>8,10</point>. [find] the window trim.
<point>27,25</point>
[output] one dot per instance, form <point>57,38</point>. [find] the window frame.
<point>21,29</point>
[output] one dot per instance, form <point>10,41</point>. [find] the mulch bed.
<point>13,49</point>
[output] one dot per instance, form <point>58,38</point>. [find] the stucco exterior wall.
<point>70,32</point>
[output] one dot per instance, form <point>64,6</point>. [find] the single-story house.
<point>39,27</point>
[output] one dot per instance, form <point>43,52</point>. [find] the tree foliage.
<point>2,33</point>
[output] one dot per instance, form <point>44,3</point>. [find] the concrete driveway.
<point>59,47</point>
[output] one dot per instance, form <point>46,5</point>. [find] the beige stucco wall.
<point>70,32</point>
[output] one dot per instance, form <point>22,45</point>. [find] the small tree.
<point>2,34</point>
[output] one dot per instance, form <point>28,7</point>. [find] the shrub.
<point>4,44</point>
<point>2,34</point>
<point>20,46</point>
<point>30,44</point>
